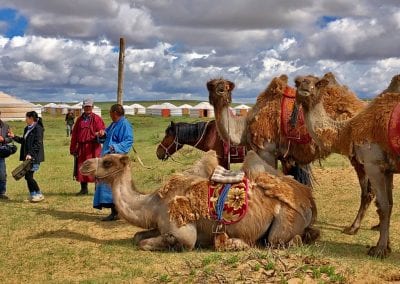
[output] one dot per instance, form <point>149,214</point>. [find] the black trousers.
<point>31,182</point>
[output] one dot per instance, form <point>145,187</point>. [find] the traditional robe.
<point>84,142</point>
<point>119,139</point>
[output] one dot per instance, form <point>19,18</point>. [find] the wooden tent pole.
<point>121,71</point>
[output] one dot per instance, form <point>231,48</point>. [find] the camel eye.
<point>107,164</point>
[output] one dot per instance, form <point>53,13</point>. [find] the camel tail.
<point>310,235</point>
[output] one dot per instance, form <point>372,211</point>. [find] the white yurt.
<point>154,110</point>
<point>50,108</point>
<point>129,110</point>
<point>169,109</point>
<point>62,108</point>
<point>203,109</point>
<point>242,109</point>
<point>138,108</point>
<point>13,108</point>
<point>185,109</point>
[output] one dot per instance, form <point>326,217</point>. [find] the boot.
<point>84,189</point>
<point>113,216</point>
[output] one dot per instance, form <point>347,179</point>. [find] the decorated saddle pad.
<point>237,152</point>
<point>228,203</point>
<point>222,175</point>
<point>394,130</point>
<point>299,133</point>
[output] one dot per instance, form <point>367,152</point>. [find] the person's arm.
<point>125,134</point>
<point>7,139</point>
<point>73,147</point>
<point>14,137</point>
<point>37,144</point>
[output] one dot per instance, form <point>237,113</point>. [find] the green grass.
<point>62,240</point>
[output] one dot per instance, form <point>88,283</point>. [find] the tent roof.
<point>7,100</point>
<point>203,105</point>
<point>168,105</point>
<point>136,106</point>
<point>242,106</point>
<point>185,106</point>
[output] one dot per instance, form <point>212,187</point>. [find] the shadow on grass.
<point>78,216</point>
<point>355,251</point>
<point>71,235</point>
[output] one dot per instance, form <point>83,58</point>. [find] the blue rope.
<point>221,201</point>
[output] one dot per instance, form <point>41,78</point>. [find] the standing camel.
<point>262,129</point>
<point>279,209</point>
<point>371,137</point>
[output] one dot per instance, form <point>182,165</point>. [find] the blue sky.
<point>55,50</point>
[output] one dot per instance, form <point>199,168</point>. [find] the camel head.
<point>308,92</point>
<point>220,92</point>
<point>106,168</point>
<point>394,86</point>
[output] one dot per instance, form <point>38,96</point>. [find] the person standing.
<point>85,143</point>
<point>4,139</point>
<point>69,121</point>
<point>32,149</point>
<point>118,139</point>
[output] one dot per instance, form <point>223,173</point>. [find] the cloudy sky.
<point>58,50</point>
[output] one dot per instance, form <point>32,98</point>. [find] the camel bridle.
<point>106,175</point>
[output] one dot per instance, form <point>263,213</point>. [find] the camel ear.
<point>210,85</point>
<point>124,160</point>
<point>322,83</point>
<point>231,85</point>
<point>297,81</point>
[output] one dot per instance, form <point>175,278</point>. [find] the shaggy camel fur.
<point>365,137</point>
<point>176,216</point>
<point>261,129</point>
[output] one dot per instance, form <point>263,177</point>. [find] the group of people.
<point>90,138</point>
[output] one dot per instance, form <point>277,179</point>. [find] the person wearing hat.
<point>4,139</point>
<point>85,143</point>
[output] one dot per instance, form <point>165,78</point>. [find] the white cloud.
<point>175,46</point>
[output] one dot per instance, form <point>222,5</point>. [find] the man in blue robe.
<point>119,140</point>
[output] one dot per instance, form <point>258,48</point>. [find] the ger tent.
<point>242,109</point>
<point>138,109</point>
<point>13,108</point>
<point>203,109</point>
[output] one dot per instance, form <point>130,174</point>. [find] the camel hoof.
<point>375,228</point>
<point>350,231</point>
<point>379,252</point>
<point>136,239</point>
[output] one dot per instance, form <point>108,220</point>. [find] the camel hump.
<point>253,165</point>
<point>205,166</point>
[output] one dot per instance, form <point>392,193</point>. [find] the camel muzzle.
<point>87,168</point>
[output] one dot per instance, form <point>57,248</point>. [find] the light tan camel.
<point>261,129</point>
<point>365,137</point>
<point>176,216</point>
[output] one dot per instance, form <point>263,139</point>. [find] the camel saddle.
<point>227,201</point>
<point>299,133</point>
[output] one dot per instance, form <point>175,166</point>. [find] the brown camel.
<point>371,137</point>
<point>262,131</point>
<point>176,216</point>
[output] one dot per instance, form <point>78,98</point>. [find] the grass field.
<point>62,239</point>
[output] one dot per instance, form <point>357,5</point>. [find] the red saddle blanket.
<point>394,130</point>
<point>237,152</point>
<point>228,203</point>
<point>299,133</point>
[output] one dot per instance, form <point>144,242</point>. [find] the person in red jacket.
<point>85,143</point>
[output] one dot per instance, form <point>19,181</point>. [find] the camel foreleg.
<point>139,236</point>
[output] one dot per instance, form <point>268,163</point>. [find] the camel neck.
<point>329,134</point>
<point>133,206</point>
<point>230,128</point>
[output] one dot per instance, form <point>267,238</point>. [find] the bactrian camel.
<point>176,216</point>
<point>365,137</point>
<point>261,129</point>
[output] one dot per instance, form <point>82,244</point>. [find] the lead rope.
<point>229,142</point>
<point>140,160</point>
